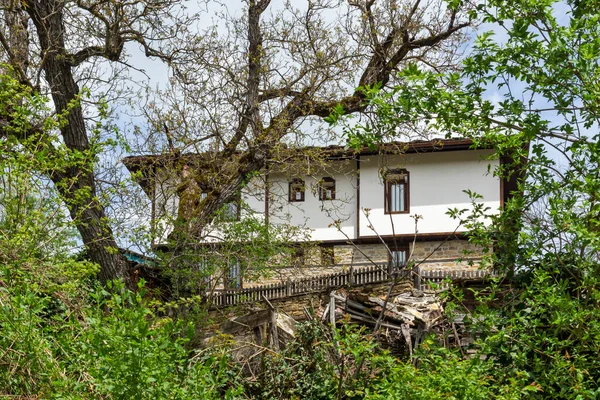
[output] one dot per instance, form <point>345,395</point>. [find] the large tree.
<point>533,93</point>
<point>244,83</point>
<point>275,71</point>
<point>56,48</point>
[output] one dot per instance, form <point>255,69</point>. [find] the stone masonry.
<point>450,255</point>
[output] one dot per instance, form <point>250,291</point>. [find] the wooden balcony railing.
<point>351,277</point>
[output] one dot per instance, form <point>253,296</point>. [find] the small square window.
<point>297,257</point>
<point>397,259</point>
<point>327,255</point>
<point>231,211</point>
<point>296,188</point>
<point>327,188</point>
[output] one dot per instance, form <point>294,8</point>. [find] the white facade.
<point>326,220</point>
<point>436,182</point>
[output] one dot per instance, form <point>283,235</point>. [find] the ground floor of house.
<point>442,255</point>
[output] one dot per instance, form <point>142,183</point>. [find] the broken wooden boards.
<point>407,316</point>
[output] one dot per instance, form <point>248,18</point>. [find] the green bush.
<point>109,346</point>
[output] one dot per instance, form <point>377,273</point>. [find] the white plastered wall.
<point>436,184</point>
<point>437,181</point>
<point>321,217</point>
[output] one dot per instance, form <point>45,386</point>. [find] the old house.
<point>379,206</point>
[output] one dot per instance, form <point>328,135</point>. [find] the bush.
<point>110,345</point>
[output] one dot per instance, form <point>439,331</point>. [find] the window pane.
<point>327,188</point>
<point>231,211</point>
<point>401,205</point>
<point>296,188</point>
<point>205,267</point>
<point>397,192</point>
<point>234,276</point>
<point>397,197</point>
<point>398,258</point>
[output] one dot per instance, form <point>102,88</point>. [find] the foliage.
<point>444,374</point>
<point>325,364</point>
<point>231,252</point>
<point>64,335</point>
<point>106,345</point>
<point>542,119</point>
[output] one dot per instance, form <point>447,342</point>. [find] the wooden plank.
<point>249,321</point>
<point>332,311</point>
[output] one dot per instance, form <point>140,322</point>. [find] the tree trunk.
<point>76,184</point>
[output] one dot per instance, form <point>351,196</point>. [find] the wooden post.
<point>274,331</point>
<point>351,277</point>
<point>417,278</point>
<point>332,310</point>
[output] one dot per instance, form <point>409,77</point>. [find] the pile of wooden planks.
<point>407,317</point>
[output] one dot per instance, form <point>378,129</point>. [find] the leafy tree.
<point>245,82</point>
<point>544,68</point>
<point>64,335</point>
<point>54,48</point>
<point>263,76</point>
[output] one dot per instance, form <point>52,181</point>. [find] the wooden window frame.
<point>291,192</point>
<point>237,200</point>
<point>234,282</point>
<point>238,209</point>
<point>298,257</point>
<point>387,192</point>
<point>323,188</point>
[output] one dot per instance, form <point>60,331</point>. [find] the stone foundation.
<point>450,255</point>
<point>438,255</point>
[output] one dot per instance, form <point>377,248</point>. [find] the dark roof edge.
<point>135,163</point>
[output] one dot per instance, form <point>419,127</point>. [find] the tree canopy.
<point>531,91</point>
<point>532,86</point>
<point>241,84</point>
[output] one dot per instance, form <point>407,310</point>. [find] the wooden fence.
<point>315,284</point>
<point>351,277</point>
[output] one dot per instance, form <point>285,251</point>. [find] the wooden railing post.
<point>351,277</point>
<point>417,277</point>
<point>288,287</point>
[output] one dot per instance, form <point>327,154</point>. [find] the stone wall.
<point>449,255</point>
<point>438,255</point>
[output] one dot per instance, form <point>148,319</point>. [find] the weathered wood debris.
<point>407,317</point>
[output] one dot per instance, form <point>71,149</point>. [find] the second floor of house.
<point>351,195</point>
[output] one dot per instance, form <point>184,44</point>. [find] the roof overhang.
<point>144,167</point>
